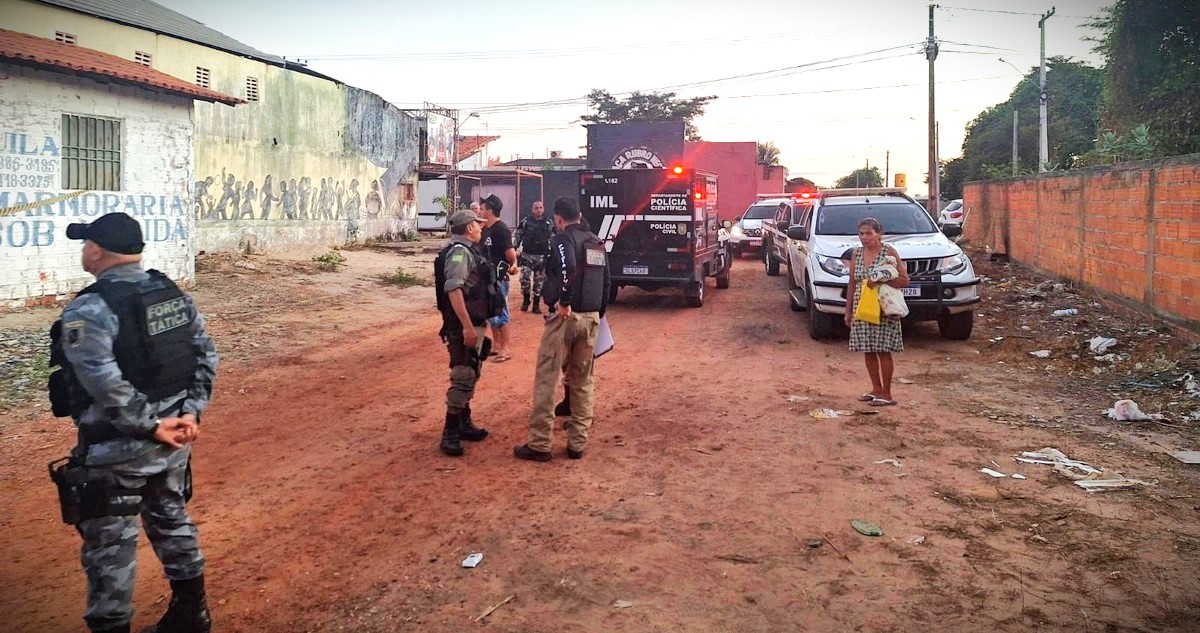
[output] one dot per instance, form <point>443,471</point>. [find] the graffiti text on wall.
<point>26,161</point>
<point>161,217</point>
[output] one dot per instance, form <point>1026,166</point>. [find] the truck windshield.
<point>897,219</point>
<point>761,212</point>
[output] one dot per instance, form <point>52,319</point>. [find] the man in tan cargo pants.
<point>576,289</point>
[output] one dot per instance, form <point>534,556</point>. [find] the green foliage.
<point>1111,147</point>
<point>446,203</point>
<point>1151,50</point>
<point>330,261</point>
<point>861,177</point>
<point>646,107</point>
<point>768,154</point>
<point>953,172</point>
<point>403,279</point>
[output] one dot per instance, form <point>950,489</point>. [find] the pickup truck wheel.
<point>956,327</point>
<point>770,263</point>
<point>612,294</point>
<point>821,326</point>
<point>693,295</point>
<point>723,278</point>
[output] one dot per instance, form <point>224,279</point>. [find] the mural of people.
<point>268,198</point>
<point>339,194</point>
<point>202,198</point>
<point>229,194</point>
<point>374,200</point>
<point>305,195</point>
<point>353,201</point>
<point>324,201</point>
<point>248,197</point>
<point>287,195</point>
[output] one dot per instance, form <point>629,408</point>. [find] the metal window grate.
<point>203,75</point>
<point>65,38</point>
<point>91,153</point>
<point>143,58</point>
<point>251,88</point>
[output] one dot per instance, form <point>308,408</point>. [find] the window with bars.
<point>65,38</point>
<point>203,75</point>
<point>91,153</point>
<point>143,58</point>
<point>251,88</point>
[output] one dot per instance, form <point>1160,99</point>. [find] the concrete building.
<point>308,162</point>
<point>87,133</point>
<point>741,177</point>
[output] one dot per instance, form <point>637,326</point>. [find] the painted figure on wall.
<point>202,198</point>
<point>339,195</point>
<point>353,201</point>
<point>227,195</point>
<point>305,195</point>
<point>268,198</point>
<point>248,197</point>
<point>287,195</point>
<point>374,201</point>
<point>323,202</point>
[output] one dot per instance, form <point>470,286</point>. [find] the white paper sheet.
<point>604,339</point>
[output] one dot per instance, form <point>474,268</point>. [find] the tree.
<point>653,106</point>
<point>799,183</point>
<point>768,154</point>
<point>861,177</point>
<point>952,178</point>
<point>1151,50</point>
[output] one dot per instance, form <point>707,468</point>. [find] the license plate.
<point>911,291</point>
<point>636,270</point>
<point>756,242</point>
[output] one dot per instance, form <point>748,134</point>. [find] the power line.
<point>1077,17</point>
<point>817,92</point>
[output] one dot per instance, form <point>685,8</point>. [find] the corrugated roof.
<point>27,49</point>
<point>155,17</point>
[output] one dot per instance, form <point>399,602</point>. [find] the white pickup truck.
<point>810,233</point>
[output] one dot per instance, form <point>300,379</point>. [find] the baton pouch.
<point>84,493</point>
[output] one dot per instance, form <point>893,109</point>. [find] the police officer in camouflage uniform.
<point>468,295</point>
<point>136,370</point>
<point>533,242</point>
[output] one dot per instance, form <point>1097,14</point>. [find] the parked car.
<point>746,234</point>
<point>952,214</point>
<point>810,240</point>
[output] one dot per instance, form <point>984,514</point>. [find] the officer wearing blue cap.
<point>135,371</point>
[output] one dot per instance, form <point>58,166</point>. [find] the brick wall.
<point>36,259</point>
<point>1131,231</point>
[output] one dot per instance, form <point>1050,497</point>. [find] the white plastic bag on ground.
<point>1100,344</point>
<point>1128,411</point>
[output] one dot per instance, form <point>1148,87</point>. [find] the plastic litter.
<point>622,604</point>
<point>1121,483</point>
<point>798,399</point>
<point>1187,457</point>
<point>866,528</point>
<point>1067,312</point>
<point>1019,476</point>
<point>1100,344</point>
<point>827,414</point>
<point>994,473</point>
<point>1041,353</point>
<point>894,462</point>
<point>1059,460</point>
<point>1128,411</point>
<point>473,560</point>
<point>916,540</point>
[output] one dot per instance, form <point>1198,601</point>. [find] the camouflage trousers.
<point>463,376</point>
<point>533,274</point>
<point>109,552</point>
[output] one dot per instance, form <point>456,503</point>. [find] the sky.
<point>854,92</point>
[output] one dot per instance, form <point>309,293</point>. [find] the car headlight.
<point>954,264</point>
<point>833,266</point>
<point>736,230</point>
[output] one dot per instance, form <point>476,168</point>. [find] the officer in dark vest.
<point>533,244</point>
<point>577,281</point>
<point>468,295</point>
<point>135,371</point>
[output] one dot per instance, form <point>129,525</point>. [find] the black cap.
<point>492,202</point>
<point>114,232</point>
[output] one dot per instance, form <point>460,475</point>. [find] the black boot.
<point>564,408</point>
<point>450,444</point>
<point>188,610</point>
<point>467,429</point>
<point>537,304</point>
<point>124,628</point>
<point>525,304</point>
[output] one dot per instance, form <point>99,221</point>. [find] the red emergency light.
<point>699,196</point>
<point>678,169</point>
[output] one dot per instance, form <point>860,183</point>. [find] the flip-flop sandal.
<point>880,402</point>
<point>866,397</point>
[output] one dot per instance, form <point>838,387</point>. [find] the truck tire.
<point>770,263</point>
<point>723,278</point>
<point>693,295</point>
<point>821,326</point>
<point>956,327</point>
<point>612,293</point>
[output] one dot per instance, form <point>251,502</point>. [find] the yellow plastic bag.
<point>868,304</point>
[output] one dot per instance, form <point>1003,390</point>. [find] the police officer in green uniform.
<point>135,371</point>
<point>468,295</point>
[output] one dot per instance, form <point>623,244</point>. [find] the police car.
<point>745,236</point>
<point>818,227</point>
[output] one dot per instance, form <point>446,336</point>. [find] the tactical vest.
<point>535,235</point>
<point>153,346</point>
<point>592,263</point>
<point>481,291</point>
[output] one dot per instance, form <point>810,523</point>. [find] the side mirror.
<point>727,224</point>
<point>952,230</point>
<point>798,232</point>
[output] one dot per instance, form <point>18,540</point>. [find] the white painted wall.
<point>36,258</point>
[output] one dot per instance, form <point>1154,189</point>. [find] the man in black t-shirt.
<point>497,239</point>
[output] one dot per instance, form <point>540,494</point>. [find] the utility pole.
<point>931,52</point>
<point>1043,143</point>
<point>887,169</point>
<point>1015,163</point>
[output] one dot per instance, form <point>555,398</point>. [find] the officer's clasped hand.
<point>177,432</point>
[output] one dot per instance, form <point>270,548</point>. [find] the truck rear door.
<point>646,219</point>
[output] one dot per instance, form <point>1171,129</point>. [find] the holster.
<point>461,355</point>
<point>86,493</point>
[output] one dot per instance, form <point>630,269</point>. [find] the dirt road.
<point>324,504</point>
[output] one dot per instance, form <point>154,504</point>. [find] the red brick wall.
<point>1131,231</point>
<point>736,167</point>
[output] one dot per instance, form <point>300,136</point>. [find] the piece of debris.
<point>837,549</point>
<point>996,340</point>
<point>244,265</point>
<point>916,540</point>
<point>738,559</point>
<point>1187,457</point>
<point>1128,411</point>
<point>905,381</point>
<point>1067,312</point>
<point>815,543</point>
<point>1121,483</point>
<point>1059,460</point>
<point>1041,353</point>
<point>798,399</point>
<point>866,528</point>
<point>473,560</point>
<point>1100,344</point>
<point>828,414</point>
<point>993,473</point>
<point>1018,476</point>
<point>1109,358</point>
<point>492,608</point>
<point>622,604</point>
<point>1039,538</point>
<point>894,462</point>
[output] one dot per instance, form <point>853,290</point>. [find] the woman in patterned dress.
<point>877,342</point>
